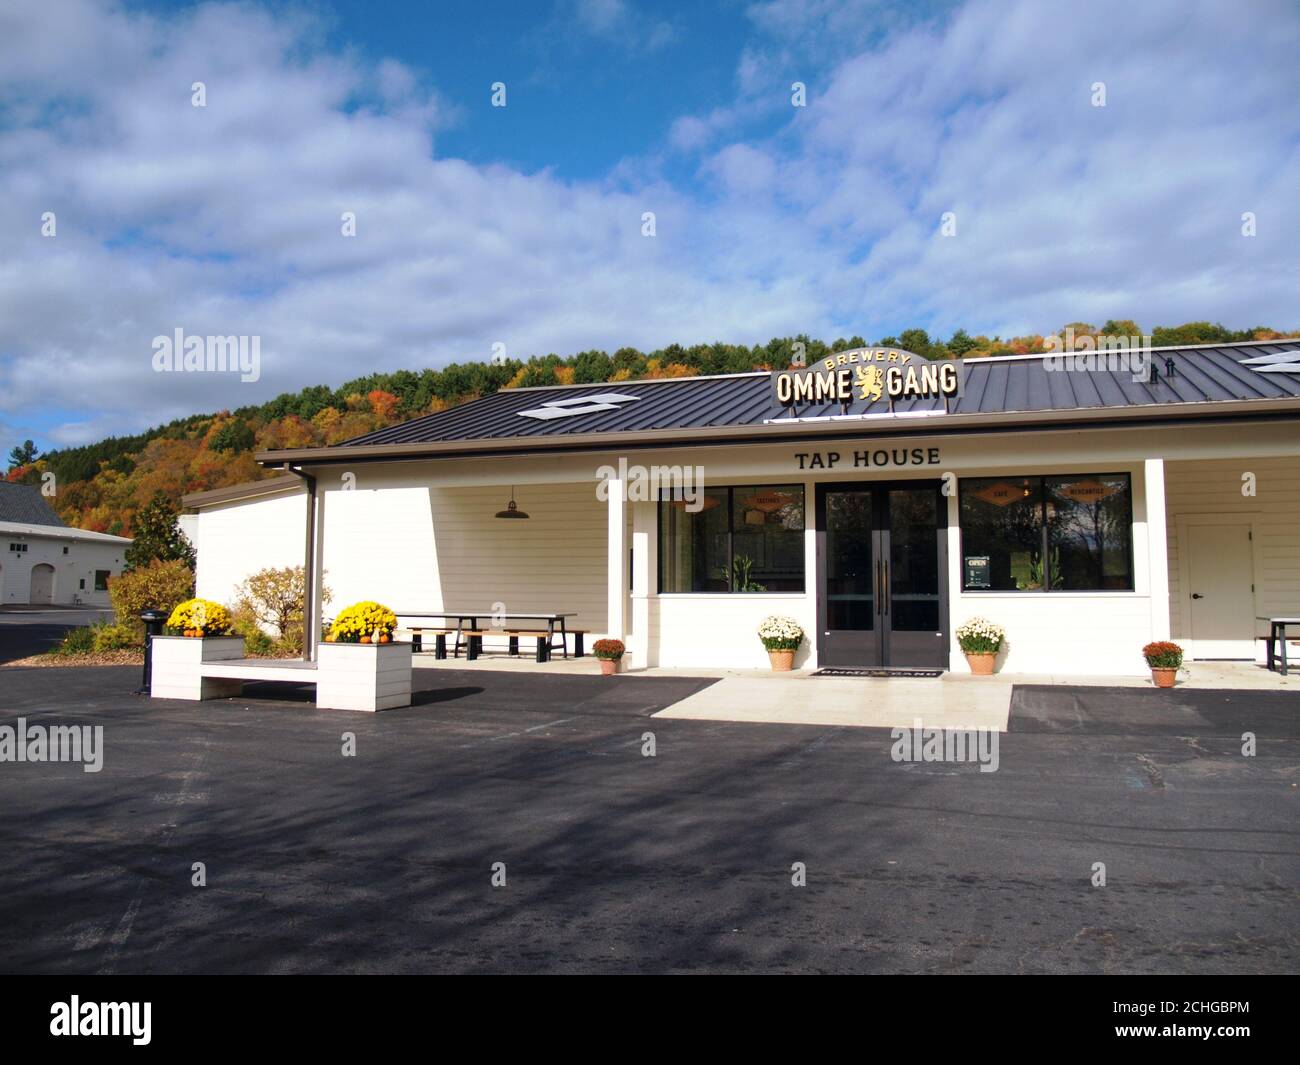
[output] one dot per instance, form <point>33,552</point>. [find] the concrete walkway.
<point>872,702</point>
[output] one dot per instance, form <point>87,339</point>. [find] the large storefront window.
<point>743,539</point>
<point>1062,533</point>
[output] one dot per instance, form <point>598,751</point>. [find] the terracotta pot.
<point>609,666</point>
<point>981,664</point>
<point>1163,678</point>
<point>782,661</point>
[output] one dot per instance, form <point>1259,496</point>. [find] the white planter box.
<point>175,661</point>
<point>363,676</point>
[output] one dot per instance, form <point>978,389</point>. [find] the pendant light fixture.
<point>512,508</point>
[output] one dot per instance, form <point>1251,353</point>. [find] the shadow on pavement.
<point>1098,711</point>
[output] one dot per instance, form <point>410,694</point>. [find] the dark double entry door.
<point>882,575</point>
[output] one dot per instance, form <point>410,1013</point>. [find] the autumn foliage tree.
<point>274,599</point>
<point>158,536</point>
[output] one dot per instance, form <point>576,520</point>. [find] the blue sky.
<point>648,63</point>
<point>522,225</point>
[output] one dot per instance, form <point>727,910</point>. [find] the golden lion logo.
<point>870,382</point>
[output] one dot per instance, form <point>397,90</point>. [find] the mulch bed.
<point>101,658</point>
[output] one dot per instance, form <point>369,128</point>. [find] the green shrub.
<point>257,644</point>
<point>289,648</point>
<point>77,642</point>
<point>114,637</point>
<point>157,586</point>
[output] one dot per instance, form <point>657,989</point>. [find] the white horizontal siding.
<point>1211,488</point>
<point>435,548</point>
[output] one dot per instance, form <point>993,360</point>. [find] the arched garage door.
<point>42,583</point>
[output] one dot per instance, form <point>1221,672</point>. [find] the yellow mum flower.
<point>199,617</point>
<point>366,620</point>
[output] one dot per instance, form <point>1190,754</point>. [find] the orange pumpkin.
<point>365,639</point>
<point>385,639</point>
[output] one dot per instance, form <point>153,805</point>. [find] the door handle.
<point>878,593</point>
<point>1197,595</point>
<point>884,588</point>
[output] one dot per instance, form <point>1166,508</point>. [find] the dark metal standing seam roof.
<point>24,505</point>
<point>990,385</point>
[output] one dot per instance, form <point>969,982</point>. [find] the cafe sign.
<point>1001,493</point>
<point>866,374</point>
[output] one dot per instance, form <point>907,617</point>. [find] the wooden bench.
<point>543,642</point>
<point>474,642</point>
<point>579,635</point>
<point>473,639</point>
<point>346,677</point>
<point>224,678</point>
<point>1275,652</point>
<point>440,640</point>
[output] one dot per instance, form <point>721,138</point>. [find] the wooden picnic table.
<point>1277,634</point>
<point>474,644</point>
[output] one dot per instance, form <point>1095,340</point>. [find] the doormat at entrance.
<point>835,671</point>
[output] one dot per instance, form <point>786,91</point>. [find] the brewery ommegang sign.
<point>866,374</point>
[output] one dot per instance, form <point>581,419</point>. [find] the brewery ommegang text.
<point>867,374</point>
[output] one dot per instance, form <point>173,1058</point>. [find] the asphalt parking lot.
<point>33,630</point>
<point>618,862</point>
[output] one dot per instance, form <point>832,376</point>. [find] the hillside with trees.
<point>118,484</point>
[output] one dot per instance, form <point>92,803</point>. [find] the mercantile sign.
<point>866,374</point>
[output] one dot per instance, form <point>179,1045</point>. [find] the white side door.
<point>1220,592</point>
<point>42,590</point>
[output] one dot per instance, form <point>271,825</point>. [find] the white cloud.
<point>621,22</point>
<point>1064,210</point>
<point>226,219</point>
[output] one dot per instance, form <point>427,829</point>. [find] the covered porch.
<point>442,554</point>
<point>1233,536</point>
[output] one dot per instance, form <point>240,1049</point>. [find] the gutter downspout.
<point>310,607</point>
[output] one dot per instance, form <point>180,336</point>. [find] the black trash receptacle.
<point>153,626</point>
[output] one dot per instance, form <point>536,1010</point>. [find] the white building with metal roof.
<point>1088,505</point>
<point>45,562</point>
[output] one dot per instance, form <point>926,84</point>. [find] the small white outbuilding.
<point>43,561</point>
